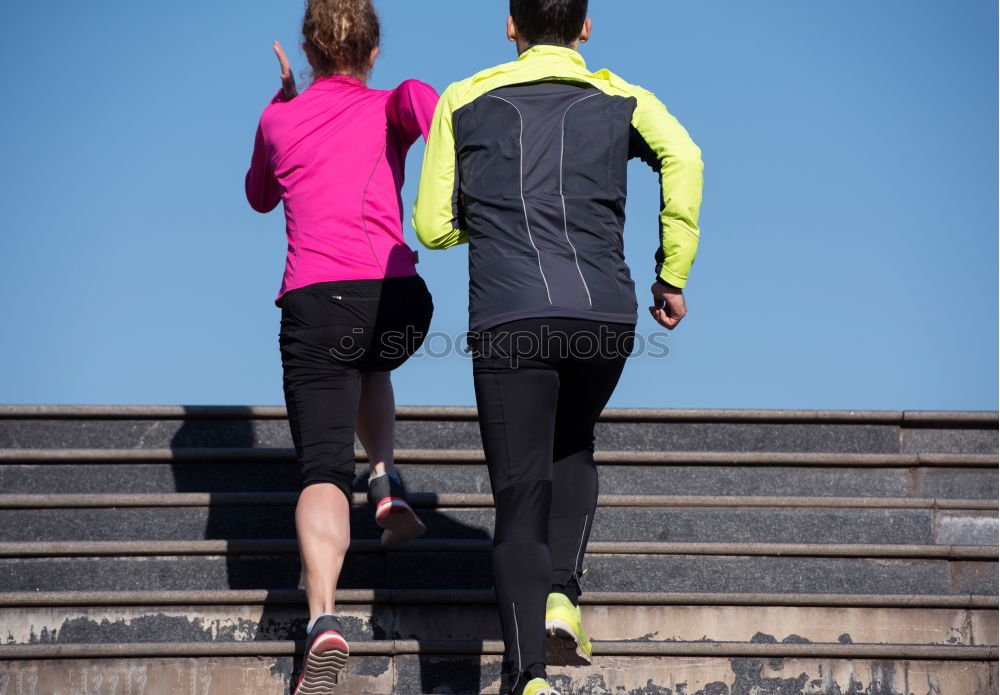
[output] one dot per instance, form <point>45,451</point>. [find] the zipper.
<point>517,640</point>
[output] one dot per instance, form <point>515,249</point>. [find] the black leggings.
<point>331,332</point>
<point>540,386</point>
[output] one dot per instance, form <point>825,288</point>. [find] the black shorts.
<point>331,332</point>
<point>369,325</point>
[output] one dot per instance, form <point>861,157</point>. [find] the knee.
<point>339,473</point>
<point>573,442</point>
<point>523,512</point>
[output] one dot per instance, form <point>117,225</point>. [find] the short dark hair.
<point>549,21</point>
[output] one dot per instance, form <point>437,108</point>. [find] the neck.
<point>363,79</point>
<point>523,46</point>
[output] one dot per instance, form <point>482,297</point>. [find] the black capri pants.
<point>332,332</point>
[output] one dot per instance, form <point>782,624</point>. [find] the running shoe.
<point>324,659</point>
<point>392,512</point>
<point>568,644</point>
<point>539,686</point>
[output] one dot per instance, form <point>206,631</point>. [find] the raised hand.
<point>287,78</point>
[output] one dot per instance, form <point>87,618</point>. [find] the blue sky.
<point>849,226</point>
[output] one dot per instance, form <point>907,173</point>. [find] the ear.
<point>511,29</point>
<point>585,32</point>
<point>371,59</point>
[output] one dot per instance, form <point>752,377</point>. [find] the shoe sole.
<point>323,669</point>
<point>562,647</point>
<point>400,522</point>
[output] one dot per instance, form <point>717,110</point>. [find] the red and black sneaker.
<point>324,658</point>
<point>392,512</point>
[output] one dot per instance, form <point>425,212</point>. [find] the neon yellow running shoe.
<point>539,686</point>
<point>568,644</point>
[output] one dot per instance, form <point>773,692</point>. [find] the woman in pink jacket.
<point>352,305</point>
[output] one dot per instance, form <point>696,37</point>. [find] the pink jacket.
<point>335,155</point>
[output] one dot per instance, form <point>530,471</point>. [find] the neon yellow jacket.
<point>527,161</point>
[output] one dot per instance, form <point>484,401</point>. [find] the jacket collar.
<point>563,52</point>
<point>334,81</point>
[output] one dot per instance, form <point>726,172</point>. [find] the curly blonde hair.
<point>339,36</point>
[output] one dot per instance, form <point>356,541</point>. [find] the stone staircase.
<point>150,550</point>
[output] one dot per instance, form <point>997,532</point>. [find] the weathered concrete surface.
<point>725,624</point>
<point>121,624</point>
<point>949,441</point>
<point>464,434</point>
<point>815,624</point>
<point>143,434</point>
<point>680,676</point>
<point>415,675</point>
<point>721,574</point>
<point>80,478</point>
<point>679,524</point>
<point>247,623</point>
<point>472,570</point>
<point>631,675</point>
<point>204,676</point>
<point>83,478</point>
<point>966,528</point>
<point>911,418</point>
<point>718,436</point>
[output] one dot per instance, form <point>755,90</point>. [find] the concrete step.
<point>216,455</point>
<point>456,428</point>
<point>358,547</point>
<point>735,552</point>
<point>727,568</point>
<point>653,521</point>
<point>297,597</point>
<point>433,500</point>
<point>415,668</point>
<point>839,476</point>
<point>762,646</point>
<point>27,622</point>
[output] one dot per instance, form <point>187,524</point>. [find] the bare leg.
<point>324,528</point>
<point>375,427</point>
<point>376,421</point>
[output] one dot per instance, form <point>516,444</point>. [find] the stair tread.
<point>424,647</point>
<point>413,456</point>
<point>430,500</point>
<point>976,417</point>
<point>289,545</point>
<point>463,596</point>
<point>165,478</point>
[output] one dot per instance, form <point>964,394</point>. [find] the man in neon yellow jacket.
<point>526,162</point>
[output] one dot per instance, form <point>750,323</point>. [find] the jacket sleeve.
<point>661,141</point>
<point>411,108</point>
<point>262,187</point>
<point>437,211</point>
